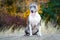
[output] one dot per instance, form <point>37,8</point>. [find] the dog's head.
<point>33,8</point>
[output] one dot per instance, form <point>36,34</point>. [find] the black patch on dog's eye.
<point>34,6</point>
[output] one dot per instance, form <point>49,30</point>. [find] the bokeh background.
<point>14,13</point>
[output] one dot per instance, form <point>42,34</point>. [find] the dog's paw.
<point>40,35</point>
<point>30,35</point>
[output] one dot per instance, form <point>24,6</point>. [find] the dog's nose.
<point>32,11</point>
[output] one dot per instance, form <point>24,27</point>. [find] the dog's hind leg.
<point>27,31</point>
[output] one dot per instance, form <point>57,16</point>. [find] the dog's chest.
<point>34,20</point>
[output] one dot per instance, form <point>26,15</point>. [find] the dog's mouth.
<point>32,11</point>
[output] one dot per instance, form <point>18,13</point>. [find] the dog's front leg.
<point>30,28</point>
<point>39,33</point>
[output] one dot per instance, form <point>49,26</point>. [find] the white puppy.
<point>34,21</point>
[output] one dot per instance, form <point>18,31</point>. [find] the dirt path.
<point>35,37</point>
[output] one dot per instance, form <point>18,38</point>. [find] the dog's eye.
<point>34,6</point>
<point>30,7</point>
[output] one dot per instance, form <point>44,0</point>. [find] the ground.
<point>47,34</point>
<point>45,37</point>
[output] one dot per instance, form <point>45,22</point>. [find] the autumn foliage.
<point>16,12</point>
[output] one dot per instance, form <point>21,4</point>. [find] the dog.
<point>34,21</point>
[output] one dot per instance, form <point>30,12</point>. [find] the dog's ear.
<point>30,5</point>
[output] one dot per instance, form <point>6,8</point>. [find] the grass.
<point>44,30</point>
